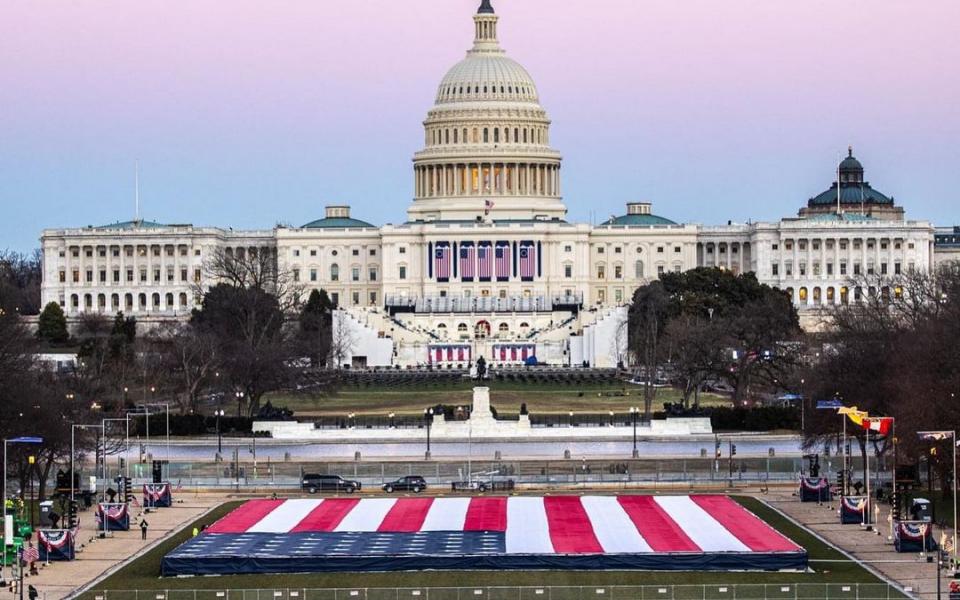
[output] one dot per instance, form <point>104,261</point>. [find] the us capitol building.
<point>486,263</point>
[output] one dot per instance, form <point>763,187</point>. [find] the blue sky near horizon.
<point>266,112</point>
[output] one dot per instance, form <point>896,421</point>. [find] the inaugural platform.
<point>664,533</point>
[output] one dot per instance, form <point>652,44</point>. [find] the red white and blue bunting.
<point>814,489</point>
<point>912,536</point>
<point>514,353</point>
<point>56,544</point>
<point>853,509</point>
<point>449,353</point>
<point>118,516</point>
<point>157,494</point>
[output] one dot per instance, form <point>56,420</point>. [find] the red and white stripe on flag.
<point>468,259</point>
<point>503,261</point>
<point>442,266</point>
<point>532,525</point>
<point>528,261</point>
<point>484,261</point>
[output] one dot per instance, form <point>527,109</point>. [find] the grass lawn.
<point>506,397</point>
<point>143,573</point>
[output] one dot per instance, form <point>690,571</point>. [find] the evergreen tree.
<point>52,325</point>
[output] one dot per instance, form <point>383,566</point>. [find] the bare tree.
<point>190,357</point>
<point>343,341</point>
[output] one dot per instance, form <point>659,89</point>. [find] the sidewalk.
<point>95,557</point>
<point>908,569</point>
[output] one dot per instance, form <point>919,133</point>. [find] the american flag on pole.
<point>528,261</point>
<point>468,255</point>
<point>503,261</point>
<point>484,261</point>
<point>441,257</point>
<point>31,554</point>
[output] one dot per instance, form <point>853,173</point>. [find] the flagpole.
<point>843,492</point>
<point>866,458</point>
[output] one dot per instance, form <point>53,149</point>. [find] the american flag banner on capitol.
<point>442,261</point>
<point>528,260</point>
<point>503,261</point>
<point>484,261</point>
<point>468,258</point>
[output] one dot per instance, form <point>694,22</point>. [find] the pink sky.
<point>712,110</point>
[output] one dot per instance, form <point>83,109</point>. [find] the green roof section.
<point>638,221</point>
<point>141,224</point>
<point>639,214</point>
<point>845,217</point>
<point>337,223</point>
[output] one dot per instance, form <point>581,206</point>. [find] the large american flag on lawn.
<point>484,261</point>
<point>441,256</point>
<point>468,257</point>
<point>503,261</point>
<point>528,261</point>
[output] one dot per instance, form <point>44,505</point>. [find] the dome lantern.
<point>850,170</point>
<point>485,23</point>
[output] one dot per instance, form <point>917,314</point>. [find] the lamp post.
<point>239,396</point>
<point>17,440</point>
<point>634,413</point>
<point>219,413</point>
<point>428,417</point>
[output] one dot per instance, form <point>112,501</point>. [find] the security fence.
<point>662,471</point>
<point>739,591</point>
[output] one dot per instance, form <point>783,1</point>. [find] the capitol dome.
<point>487,153</point>
<point>482,77</point>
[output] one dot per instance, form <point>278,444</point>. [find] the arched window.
<point>503,328</point>
<point>638,269</point>
<point>817,296</point>
<point>830,295</point>
<point>462,328</point>
<point>128,301</point>
<point>115,301</point>
<point>183,300</point>
<point>334,272</point>
<point>844,295</point>
<point>442,329</point>
<point>169,300</point>
<point>74,301</point>
<point>803,295</point>
<point>156,300</point>
<point>101,301</point>
<point>87,301</point>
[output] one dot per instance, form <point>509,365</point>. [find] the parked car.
<point>482,486</point>
<point>410,483</point>
<point>328,483</point>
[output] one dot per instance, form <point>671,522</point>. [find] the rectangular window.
<point>568,248</point>
<point>103,276</point>
<point>130,275</point>
<point>403,272</point>
<point>373,274</point>
<point>403,250</point>
<point>618,295</point>
<point>143,275</point>
<point>356,298</point>
<point>356,252</point>
<point>856,268</point>
<point>196,275</point>
<point>676,250</point>
<point>883,268</point>
<point>63,276</point>
<point>618,272</point>
<point>803,269</point>
<point>89,278</point>
<point>313,274</point>
<point>183,275</point>
<point>373,251</point>
<point>116,275</point>
<point>568,271</point>
<point>659,269</point>
<point>170,275</point>
<point>829,268</point>
<point>843,268</point>
<point>355,273</point>
<point>618,250</point>
<point>156,275</point>
<point>896,268</point>
<point>601,272</point>
<point>599,249</point>
<point>296,253</point>
<point>776,246</point>
<point>335,298</point>
<point>659,249</point>
<point>816,269</point>
<point>776,269</point>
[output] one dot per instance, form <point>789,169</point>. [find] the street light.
<point>219,413</point>
<point>239,396</point>
<point>428,417</point>
<point>634,413</point>
<point>17,440</point>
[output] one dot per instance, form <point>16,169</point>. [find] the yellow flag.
<point>857,416</point>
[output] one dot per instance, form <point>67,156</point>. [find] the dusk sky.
<point>246,114</point>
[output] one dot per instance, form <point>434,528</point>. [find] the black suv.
<point>410,483</point>
<point>328,483</point>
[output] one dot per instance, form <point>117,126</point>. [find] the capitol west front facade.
<point>486,263</point>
